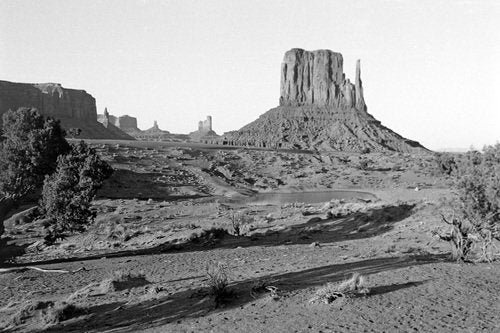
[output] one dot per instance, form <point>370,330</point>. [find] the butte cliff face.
<point>75,108</point>
<point>204,133</point>
<point>319,109</point>
<point>124,123</point>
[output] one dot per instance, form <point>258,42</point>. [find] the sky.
<point>430,69</point>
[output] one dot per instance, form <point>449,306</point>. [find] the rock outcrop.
<point>319,109</point>
<point>125,123</point>
<point>105,118</point>
<point>154,133</point>
<point>205,125</point>
<point>74,108</point>
<point>204,133</point>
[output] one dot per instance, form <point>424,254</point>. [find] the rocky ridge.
<point>319,109</point>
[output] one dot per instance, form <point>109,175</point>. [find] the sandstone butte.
<point>75,108</point>
<point>319,109</point>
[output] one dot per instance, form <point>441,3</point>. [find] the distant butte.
<point>319,109</point>
<point>205,133</point>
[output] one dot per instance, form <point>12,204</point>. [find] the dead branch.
<point>43,270</point>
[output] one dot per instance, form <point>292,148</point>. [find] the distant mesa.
<point>204,134</point>
<point>74,108</point>
<point>155,133</point>
<point>156,129</point>
<point>319,109</point>
<point>126,123</point>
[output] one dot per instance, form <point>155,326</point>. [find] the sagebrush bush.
<point>62,311</point>
<point>218,281</point>
<point>345,289</point>
<point>67,194</point>
<point>28,151</point>
<point>239,219</point>
<point>478,189</point>
<point>476,208</point>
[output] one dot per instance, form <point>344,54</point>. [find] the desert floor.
<point>305,220</point>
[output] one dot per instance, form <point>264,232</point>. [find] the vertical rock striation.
<point>360,100</point>
<point>309,78</point>
<point>317,78</point>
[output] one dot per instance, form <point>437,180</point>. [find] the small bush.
<point>67,193</point>
<point>345,289</point>
<point>261,286</point>
<point>217,282</point>
<point>27,310</point>
<point>239,219</point>
<point>364,164</point>
<point>465,240</point>
<point>445,163</point>
<point>50,312</point>
<point>62,311</point>
<point>74,132</point>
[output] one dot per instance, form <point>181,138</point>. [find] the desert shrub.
<point>29,151</point>
<point>345,289</point>
<point>119,231</point>
<point>62,311</point>
<point>478,190</point>
<point>49,311</point>
<point>67,193</point>
<point>217,282</point>
<point>364,164</point>
<point>27,310</point>
<point>263,286</point>
<point>445,163</point>
<point>460,238</point>
<point>239,219</point>
<point>475,220</point>
<point>74,132</point>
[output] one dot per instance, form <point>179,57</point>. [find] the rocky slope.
<point>319,109</point>
<point>75,108</point>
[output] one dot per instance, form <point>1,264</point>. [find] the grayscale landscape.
<point>312,216</point>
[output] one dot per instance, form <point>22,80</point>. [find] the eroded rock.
<point>320,109</point>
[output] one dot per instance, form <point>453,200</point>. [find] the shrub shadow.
<point>193,303</point>
<point>380,290</point>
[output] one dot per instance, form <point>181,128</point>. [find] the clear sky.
<point>430,69</point>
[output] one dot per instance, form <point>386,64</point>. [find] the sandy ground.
<point>158,217</point>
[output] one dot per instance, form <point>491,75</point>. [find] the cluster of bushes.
<point>445,163</point>
<point>29,149</point>
<point>36,156</point>
<point>476,207</point>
